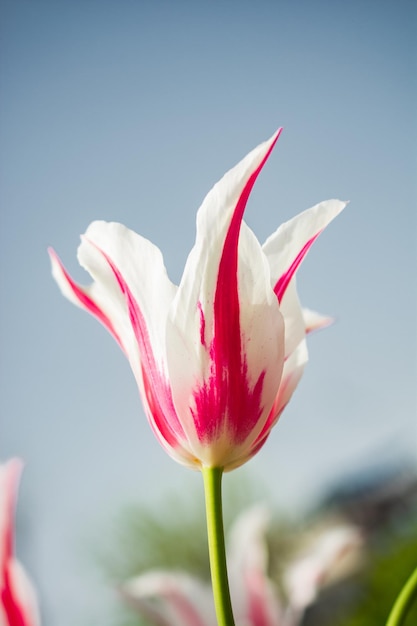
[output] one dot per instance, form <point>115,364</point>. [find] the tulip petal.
<point>171,599</point>
<point>22,607</point>
<point>9,480</point>
<point>255,600</point>
<point>291,376</point>
<point>86,297</point>
<point>246,540</point>
<point>225,350</point>
<point>310,571</point>
<point>287,247</point>
<point>293,366</point>
<point>315,321</point>
<point>292,312</point>
<point>18,603</point>
<point>130,295</point>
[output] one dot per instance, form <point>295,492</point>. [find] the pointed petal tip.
<point>57,268</point>
<point>316,321</point>
<point>51,252</point>
<point>14,466</point>
<point>56,263</point>
<point>342,204</point>
<point>275,136</point>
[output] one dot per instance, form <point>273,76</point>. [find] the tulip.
<point>217,358</point>
<point>18,604</point>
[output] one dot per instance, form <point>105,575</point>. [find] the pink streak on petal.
<point>160,424</point>
<point>257,599</point>
<point>273,417</point>
<point>227,396</point>
<point>285,278</point>
<point>187,612</point>
<point>157,390</point>
<point>202,325</point>
<point>85,301</point>
<point>274,414</point>
<point>14,613</point>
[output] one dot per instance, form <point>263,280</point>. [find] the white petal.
<point>254,597</point>
<point>291,375</point>
<point>141,264</point>
<point>130,295</point>
<point>24,593</point>
<point>192,317</point>
<point>173,598</point>
<point>9,482</point>
<point>315,321</point>
<point>293,318</point>
<point>289,241</point>
<point>246,539</point>
<point>311,570</point>
<point>20,586</point>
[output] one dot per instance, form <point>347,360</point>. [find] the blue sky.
<point>131,111</point>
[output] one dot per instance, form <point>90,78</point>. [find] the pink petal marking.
<point>14,612</point>
<point>227,396</point>
<point>274,414</point>
<point>257,592</point>
<point>285,278</point>
<point>202,325</point>
<point>84,300</point>
<point>170,597</point>
<point>157,390</point>
<point>186,611</point>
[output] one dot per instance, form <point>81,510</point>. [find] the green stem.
<point>404,601</point>
<point>217,551</point>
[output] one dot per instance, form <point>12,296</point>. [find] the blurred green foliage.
<point>173,536</point>
<point>390,563</point>
<point>170,536</point>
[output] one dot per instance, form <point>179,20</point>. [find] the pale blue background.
<point>131,111</point>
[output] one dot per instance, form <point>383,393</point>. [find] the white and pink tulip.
<point>217,358</point>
